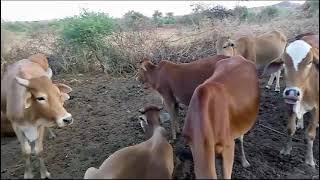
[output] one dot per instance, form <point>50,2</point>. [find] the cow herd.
<point>221,91</point>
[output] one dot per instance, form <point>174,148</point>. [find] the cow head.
<point>146,67</point>
<point>45,100</point>
<point>298,60</point>
<point>151,118</point>
<point>225,46</point>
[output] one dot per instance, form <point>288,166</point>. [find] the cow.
<point>301,62</point>
<point>260,49</point>
<point>176,82</point>
<point>6,128</point>
<point>32,102</point>
<point>222,108</point>
<point>151,159</point>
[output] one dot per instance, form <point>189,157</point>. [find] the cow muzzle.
<point>65,120</point>
<point>292,95</point>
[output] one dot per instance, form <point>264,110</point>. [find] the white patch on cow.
<point>30,131</point>
<point>27,147</point>
<point>301,108</point>
<point>298,50</point>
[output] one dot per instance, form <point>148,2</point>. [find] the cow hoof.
<point>28,175</point>
<point>245,163</point>
<point>310,162</point>
<point>46,175</point>
<point>285,151</point>
<point>277,89</point>
<point>267,87</point>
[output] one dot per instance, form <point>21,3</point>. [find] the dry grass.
<point>175,43</point>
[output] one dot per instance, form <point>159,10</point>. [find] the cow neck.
<point>153,77</point>
<point>29,115</point>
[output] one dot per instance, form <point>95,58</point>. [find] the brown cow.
<point>261,50</point>
<point>176,82</point>
<point>31,102</point>
<point>221,109</point>
<point>301,62</point>
<point>151,159</point>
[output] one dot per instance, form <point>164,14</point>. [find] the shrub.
<point>135,20</point>
<point>83,36</point>
<point>241,12</point>
<point>268,13</point>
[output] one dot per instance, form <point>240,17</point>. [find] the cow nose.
<point>292,92</point>
<point>68,120</point>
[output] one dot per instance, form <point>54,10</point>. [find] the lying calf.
<point>151,159</point>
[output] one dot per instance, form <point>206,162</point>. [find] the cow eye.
<point>40,98</point>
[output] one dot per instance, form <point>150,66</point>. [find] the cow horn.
<point>23,82</point>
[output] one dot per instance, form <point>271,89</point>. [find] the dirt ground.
<point>106,119</point>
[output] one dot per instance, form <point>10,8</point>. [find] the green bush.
<point>83,36</point>
<point>134,20</point>
<point>312,7</point>
<point>241,12</point>
<point>268,13</point>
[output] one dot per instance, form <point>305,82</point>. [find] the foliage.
<point>241,13</point>
<point>134,20</point>
<point>268,13</point>
<point>84,34</point>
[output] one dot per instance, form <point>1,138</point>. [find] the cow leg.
<point>311,134</point>
<point>26,152</point>
<point>277,88</point>
<point>170,103</point>
<point>270,82</point>
<point>291,130</point>
<point>227,156</point>
<point>244,160</point>
<point>38,150</point>
<point>300,123</point>
<point>51,133</point>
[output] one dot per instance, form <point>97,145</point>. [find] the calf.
<point>151,159</point>
<point>261,50</point>
<point>31,102</point>
<point>176,82</point>
<point>6,128</point>
<point>222,108</point>
<point>301,62</point>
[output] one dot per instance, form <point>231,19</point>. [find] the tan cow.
<point>151,159</point>
<point>6,128</point>
<point>261,50</point>
<point>301,62</point>
<point>221,109</point>
<point>31,102</point>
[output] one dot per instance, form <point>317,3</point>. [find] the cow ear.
<point>315,53</point>
<point>27,101</point>
<point>49,73</point>
<point>273,67</point>
<point>144,65</point>
<point>23,82</point>
<point>65,96</point>
<point>64,88</point>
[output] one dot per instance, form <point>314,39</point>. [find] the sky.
<point>46,10</point>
